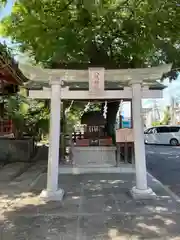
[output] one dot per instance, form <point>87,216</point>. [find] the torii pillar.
<point>141,190</point>
<point>52,192</point>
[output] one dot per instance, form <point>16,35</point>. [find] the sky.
<point>172,90</point>
<point>5,11</point>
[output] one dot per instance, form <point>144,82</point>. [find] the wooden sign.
<point>96,80</point>
<point>93,131</point>
<point>124,135</point>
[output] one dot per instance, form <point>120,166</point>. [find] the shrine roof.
<point>93,118</point>
<point>9,70</point>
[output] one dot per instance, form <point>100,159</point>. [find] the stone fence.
<point>16,150</point>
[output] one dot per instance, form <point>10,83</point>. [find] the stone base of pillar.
<point>48,196</point>
<point>142,194</point>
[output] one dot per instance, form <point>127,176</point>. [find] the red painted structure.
<point>10,79</point>
<point>6,127</point>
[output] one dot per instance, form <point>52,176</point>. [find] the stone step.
<point>27,178</point>
<point>9,171</point>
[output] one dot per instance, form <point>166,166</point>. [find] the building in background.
<point>152,113</point>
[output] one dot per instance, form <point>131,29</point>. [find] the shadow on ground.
<point>94,207</point>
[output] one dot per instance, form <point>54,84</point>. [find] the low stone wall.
<point>16,150</point>
<point>94,156</point>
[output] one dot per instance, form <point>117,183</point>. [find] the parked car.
<point>163,135</point>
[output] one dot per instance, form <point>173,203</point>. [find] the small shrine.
<point>94,128</point>
<point>94,147</point>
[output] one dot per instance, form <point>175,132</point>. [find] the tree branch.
<point>66,6</point>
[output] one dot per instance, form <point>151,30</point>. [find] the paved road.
<point>163,162</point>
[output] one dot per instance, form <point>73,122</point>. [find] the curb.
<point>171,193</point>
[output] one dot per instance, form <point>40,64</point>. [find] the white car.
<point>163,135</point>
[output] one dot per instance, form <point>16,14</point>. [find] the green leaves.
<point>2,3</point>
<point>109,33</point>
<point>167,116</point>
<point>28,116</point>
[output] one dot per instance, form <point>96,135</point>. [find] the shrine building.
<point>11,78</point>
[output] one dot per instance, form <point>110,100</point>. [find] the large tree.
<point>108,33</point>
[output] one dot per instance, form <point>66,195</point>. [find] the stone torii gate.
<point>133,84</point>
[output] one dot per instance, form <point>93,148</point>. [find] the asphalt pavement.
<point>163,162</point>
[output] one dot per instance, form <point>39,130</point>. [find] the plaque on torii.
<point>96,80</point>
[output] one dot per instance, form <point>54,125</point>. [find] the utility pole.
<point>173,111</point>
<point>155,112</point>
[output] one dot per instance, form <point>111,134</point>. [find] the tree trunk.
<point>2,110</point>
<point>112,109</point>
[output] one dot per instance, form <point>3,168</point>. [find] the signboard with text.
<point>124,135</point>
<point>96,80</point>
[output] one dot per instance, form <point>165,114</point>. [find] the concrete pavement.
<point>96,206</point>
